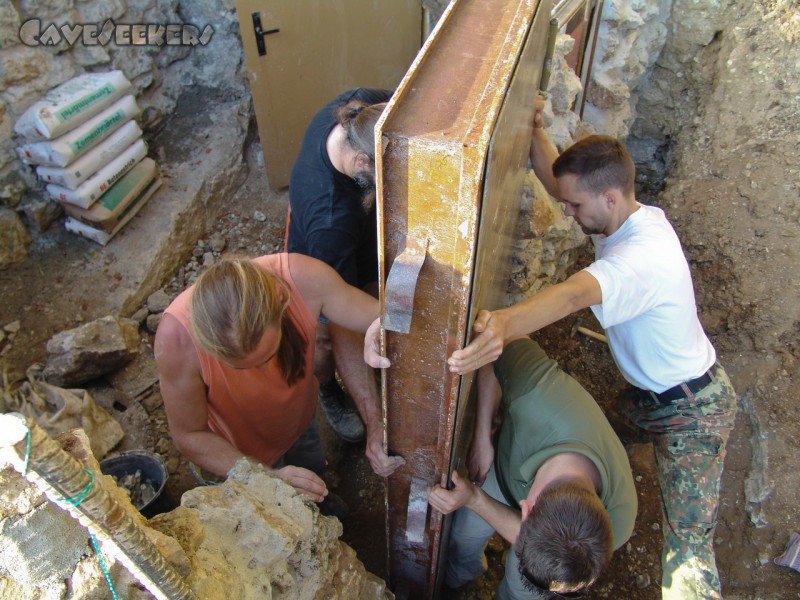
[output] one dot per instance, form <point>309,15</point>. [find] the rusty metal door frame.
<point>432,148</point>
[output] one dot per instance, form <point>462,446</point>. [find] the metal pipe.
<point>59,475</point>
<point>547,65</point>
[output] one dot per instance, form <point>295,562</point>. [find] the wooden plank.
<point>435,139</point>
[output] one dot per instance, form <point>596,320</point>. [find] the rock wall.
<point>630,39</point>
<point>37,57</point>
<point>543,253</point>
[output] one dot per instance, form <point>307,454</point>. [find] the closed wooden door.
<point>305,52</point>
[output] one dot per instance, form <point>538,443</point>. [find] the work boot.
<point>343,419</point>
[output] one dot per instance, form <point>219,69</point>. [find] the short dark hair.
<point>600,162</point>
<point>566,541</point>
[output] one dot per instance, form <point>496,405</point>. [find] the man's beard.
<point>366,181</point>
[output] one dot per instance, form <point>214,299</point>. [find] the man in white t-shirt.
<point>640,289</point>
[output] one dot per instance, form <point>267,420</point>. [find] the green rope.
<point>81,496</point>
<point>103,566</point>
<point>27,450</point>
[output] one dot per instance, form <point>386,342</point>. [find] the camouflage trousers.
<point>689,437</point>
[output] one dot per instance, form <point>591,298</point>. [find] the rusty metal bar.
<point>59,475</point>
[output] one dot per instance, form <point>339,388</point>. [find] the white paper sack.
<point>103,237</point>
<point>94,160</point>
<point>65,107</point>
<point>94,187</point>
<point>61,151</point>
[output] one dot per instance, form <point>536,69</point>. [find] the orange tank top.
<point>255,409</point>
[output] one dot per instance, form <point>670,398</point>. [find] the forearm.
<point>504,520</point>
<point>548,306</point>
<point>208,450</point>
<point>543,155</point>
<point>489,396</point>
<point>358,377</point>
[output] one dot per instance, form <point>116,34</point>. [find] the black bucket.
<point>152,474</point>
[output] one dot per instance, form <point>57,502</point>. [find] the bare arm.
<point>505,520</point>
<point>495,328</point>
<point>350,310</point>
<point>481,451</point>
<point>360,381</point>
<point>543,152</point>
<point>186,405</point>
<point>325,292</point>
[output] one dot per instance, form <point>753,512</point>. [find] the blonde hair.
<point>233,303</point>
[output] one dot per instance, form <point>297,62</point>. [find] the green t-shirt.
<point>547,412</point>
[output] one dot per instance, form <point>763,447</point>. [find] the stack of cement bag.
<point>90,153</point>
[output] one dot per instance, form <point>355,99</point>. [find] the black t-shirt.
<point>328,221</point>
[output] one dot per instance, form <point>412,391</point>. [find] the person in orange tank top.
<point>235,355</point>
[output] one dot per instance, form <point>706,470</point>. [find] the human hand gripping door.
<point>464,493</point>
<point>485,348</point>
<point>383,464</point>
<point>372,347</point>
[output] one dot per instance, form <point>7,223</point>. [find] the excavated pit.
<point>731,191</point>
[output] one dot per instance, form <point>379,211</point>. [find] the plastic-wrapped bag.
<point>94,187</point>
<point>87,165</point>
<point>57,409</point>
<point>65,107</point>
<point>103,236</point>
<point>112,206</point>
<point>64,149</point>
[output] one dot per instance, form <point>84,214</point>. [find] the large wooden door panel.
<point>320,48</point>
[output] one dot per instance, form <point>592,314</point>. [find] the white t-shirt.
<point>648,308</point>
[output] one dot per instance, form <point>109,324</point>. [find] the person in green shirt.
<point>558,486</point>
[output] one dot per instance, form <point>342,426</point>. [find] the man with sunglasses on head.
<point>332,219</point>
<point>558,485</point>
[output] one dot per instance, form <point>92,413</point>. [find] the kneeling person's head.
<point>237,313</point>
<point>565,540</point>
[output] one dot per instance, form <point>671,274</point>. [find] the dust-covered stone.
<point>94,349</point>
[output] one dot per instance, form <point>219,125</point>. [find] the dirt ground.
<point>635,570</point>
<point>733,196</point>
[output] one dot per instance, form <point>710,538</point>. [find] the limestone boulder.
<point>94,349</point>
<point>40,213</point>
<point>254,537</point>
